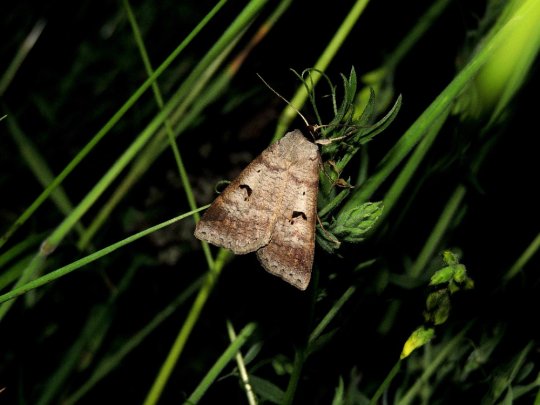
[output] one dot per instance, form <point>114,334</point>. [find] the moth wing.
<point>243,216</point>
<point>289,254</point>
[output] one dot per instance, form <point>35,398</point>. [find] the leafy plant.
<point>421,157</point>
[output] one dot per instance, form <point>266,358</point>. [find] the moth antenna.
<point>284,99</point>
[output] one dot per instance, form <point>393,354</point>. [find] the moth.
<point>271,209</point>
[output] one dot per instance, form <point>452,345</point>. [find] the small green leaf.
<point>438,307</point>
<point>418,338</point>
<point>454,275</point>
<point>282,365</point>
<point>266,389</point>
<point>252,352</point>
<point>435,299</point>
<point>326,240</point>
<point>443,275</point>
<point>339,396</point>
<point>450,258</point>
<point>460,274</point>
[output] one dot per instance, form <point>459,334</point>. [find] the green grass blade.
<point>113,360</point>
<point>522,261</point>
<point>21,55</point>
<point>319,329</point>
<point>322,63</point>
<point>220,364</point>
<point>252,400</point>
<point>385,384</point>
<point>406,174</point>
<point>437,109</point>
<point>184,98</point>
<point>193,315</point>
<point>108,126</point>
<point>41,169</point>
<point>61,272</point>
<point>438,232</point>
<point>168,127</point>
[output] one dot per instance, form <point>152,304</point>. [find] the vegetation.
<point>117,117</point>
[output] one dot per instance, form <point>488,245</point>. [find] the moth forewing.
<point>271,208</point>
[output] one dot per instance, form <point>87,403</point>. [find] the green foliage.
<point>356,222</point>
<point>342,139</point>
<point>447,281</point>
<point>416,161</point>
<point>418,338</point>
<point>352,226</point>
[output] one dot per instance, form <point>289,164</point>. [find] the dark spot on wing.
<point>297,214</point>
<point>248,191</point>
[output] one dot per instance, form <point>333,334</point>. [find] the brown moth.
<point>271,208</point>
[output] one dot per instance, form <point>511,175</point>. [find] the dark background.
<point>83,68</point>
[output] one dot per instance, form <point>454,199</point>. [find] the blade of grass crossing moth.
<point>107,127</point>
<point>168,128</point>
<point>61,272</point>
<point>187,94</point>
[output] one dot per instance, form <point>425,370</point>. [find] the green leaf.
<point>354,223</point>
<point>252,353</point>
<point>450,258</point>
<point>266,389</point>
<point>438,307</point>
<point>443,275</point>
<point>339,396</point>
<point>418,338</point>
<point>326,240</point>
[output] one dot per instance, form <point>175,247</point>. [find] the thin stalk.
<point>322,63</point>
<point>220,364</point>
<point>108,126</point>
<point>522,261</point>
<point>426,120</point>
<point>406,174</point>
<point>111,361</point>
<point>168,128</point>
<point>178,346</point>
<point>385,384</point>
<point>20,56</point>
<point>61,272</point>
<point>330,315</point>
<point>438,232</point>
<point>252,400</point>
<point>299,359</point>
